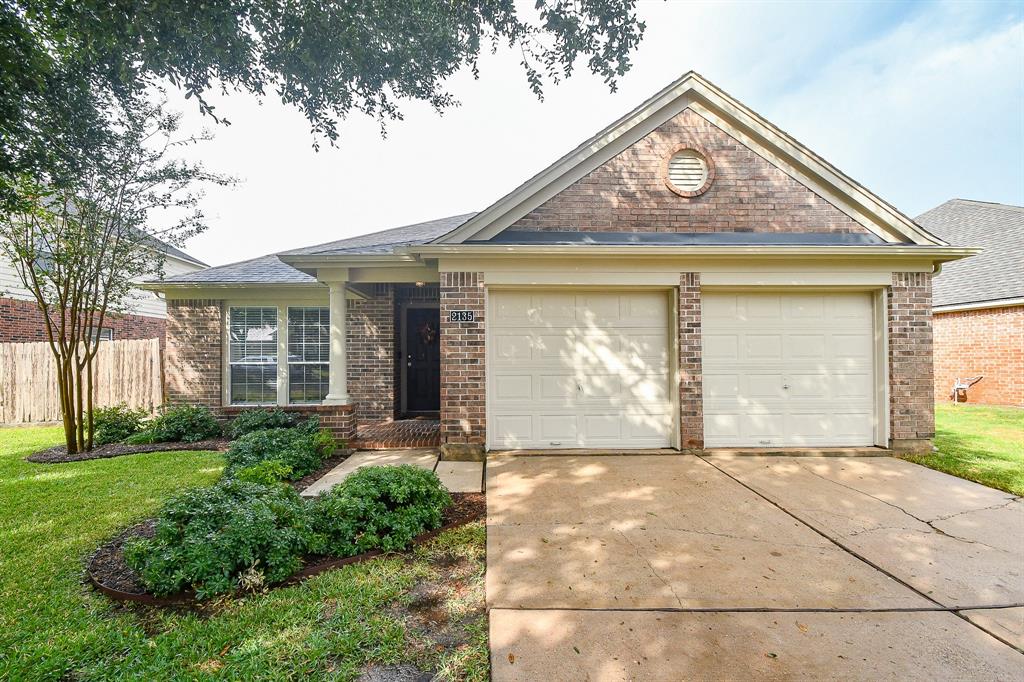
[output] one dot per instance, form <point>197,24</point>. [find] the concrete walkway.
<point>457,477</point>
<point>669,567</point>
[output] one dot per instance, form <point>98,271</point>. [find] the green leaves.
<point>209,539</point>
<point>379,508</point>
<point>301,448</point>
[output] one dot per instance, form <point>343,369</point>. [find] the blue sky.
<point>920,102</point>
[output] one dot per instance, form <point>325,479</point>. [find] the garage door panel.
<point>559,427</point>
<point>513,430</point>
<point>803,373</point>
<point>514,387</point>
<point>599,379</point>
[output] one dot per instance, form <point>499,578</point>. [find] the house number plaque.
<point>461,316</point>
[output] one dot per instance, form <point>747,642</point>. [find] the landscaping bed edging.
<point>58,454</point>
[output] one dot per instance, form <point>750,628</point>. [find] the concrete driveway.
<point>669,567</point>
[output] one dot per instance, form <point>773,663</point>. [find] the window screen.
<point>253,355</point>
<point>309,347</point>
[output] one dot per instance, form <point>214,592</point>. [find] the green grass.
<point>52,626</point>
<point>979,443</point>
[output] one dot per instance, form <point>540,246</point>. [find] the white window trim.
<point>282,304</point>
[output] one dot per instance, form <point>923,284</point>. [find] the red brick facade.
<point>193,360</point>
<point>911,392</point>
<point>21,321</point>
<point>628,193</point>
<point>691,392</point>
<point>370,327</point>
<point>987,343</point>
<point>463,377</point>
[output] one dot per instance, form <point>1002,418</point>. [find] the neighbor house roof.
<point>270,269</point>
<point>997,273</point>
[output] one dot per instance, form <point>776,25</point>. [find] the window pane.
<point>253,383</point>
<point>252,353</point>
<point>309,345</point>
<point>308,383</point>
<point>309,334</point>
<point>253,335</point>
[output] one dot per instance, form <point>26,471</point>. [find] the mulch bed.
<point>58,454</point>
<point>107,570</point>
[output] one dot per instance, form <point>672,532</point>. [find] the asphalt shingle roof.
<point>998,271</point>
<point>270,269</point>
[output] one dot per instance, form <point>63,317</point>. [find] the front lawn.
<point>979,443</point>
<point>396,610</point>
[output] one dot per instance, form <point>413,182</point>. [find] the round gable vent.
<point>689,172</point>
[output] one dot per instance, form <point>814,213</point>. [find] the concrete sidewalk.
<point>612,555</point>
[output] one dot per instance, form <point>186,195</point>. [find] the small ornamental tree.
<point>82,247</point>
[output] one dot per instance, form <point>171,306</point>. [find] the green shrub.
<point>302,448</point>
<point>259,420</point>
<point>267,472</point>
<point>215,540</point>
<point>379,508</point>
<point>114,424</point>
<point>146,437</point>
<point>184,424</point>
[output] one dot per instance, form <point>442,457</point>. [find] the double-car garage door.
<point>583,368</point>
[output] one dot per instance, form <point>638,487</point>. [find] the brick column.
<point>193,360</point>
<point>911,378</point>
<point>371,355</point>
<point>691,394</point>
<point>463,379</point>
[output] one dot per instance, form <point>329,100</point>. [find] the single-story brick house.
<point>689,277</point>
<point>978,303</point>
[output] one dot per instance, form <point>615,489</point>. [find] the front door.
<point>422,360</point>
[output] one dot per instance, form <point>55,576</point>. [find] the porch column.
<point>337,393</point>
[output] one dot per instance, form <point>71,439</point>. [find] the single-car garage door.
<point>571,369</point>
<point>788,369</point>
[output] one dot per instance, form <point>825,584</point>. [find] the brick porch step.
<point>403,433</point>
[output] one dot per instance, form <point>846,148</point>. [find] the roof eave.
<point>935,253</point>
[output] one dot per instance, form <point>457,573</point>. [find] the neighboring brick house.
<point>21,319</point>
<point>690,277</point>
<point>978,303</point>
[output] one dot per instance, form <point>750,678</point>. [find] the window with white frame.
<point>309,347</point>
<point>252,355</point>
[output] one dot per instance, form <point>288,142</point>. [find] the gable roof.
<point>694,91</point>
<point>995,274</point>
<point>270,269</point>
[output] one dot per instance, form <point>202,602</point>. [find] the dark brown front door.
<point>422,360</point>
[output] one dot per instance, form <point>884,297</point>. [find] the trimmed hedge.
<point>234,535</point>
<point>179,424</point>
<point>259,420</point>
<point>248,534</point>
<point>302,448</point>
<point>114,424</point>
<point>379,508</point>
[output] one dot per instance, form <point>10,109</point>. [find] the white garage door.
<point>571,369</point>
<point>788,369</point>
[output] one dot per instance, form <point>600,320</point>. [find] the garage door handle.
<point>785,385</point>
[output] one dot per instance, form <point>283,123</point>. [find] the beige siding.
<point>143,303</point>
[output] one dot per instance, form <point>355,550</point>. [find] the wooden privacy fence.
<point>126,372</point>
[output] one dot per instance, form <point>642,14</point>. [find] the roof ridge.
<point>379,232</point>
<point>987,203</point>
